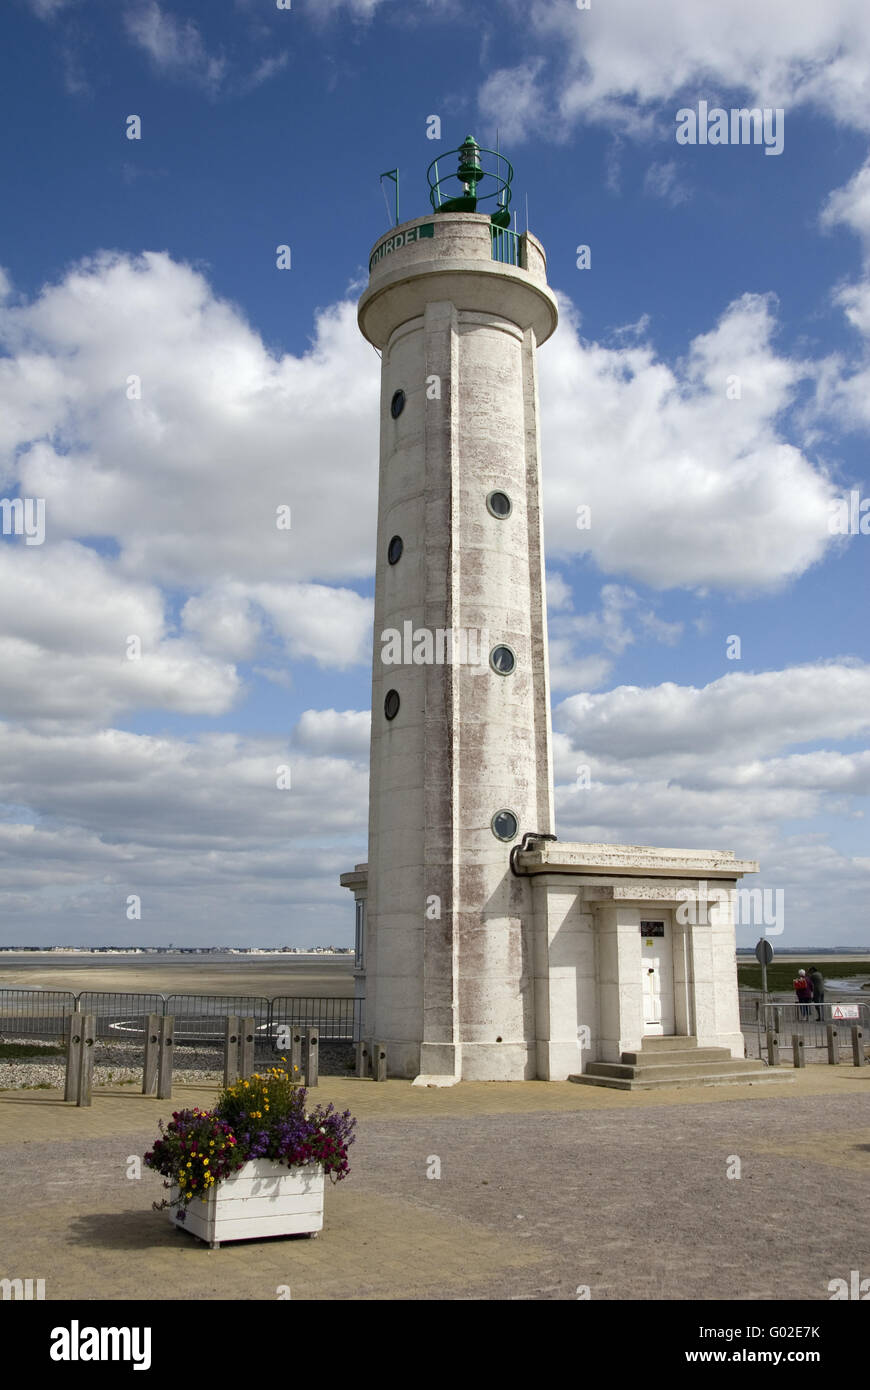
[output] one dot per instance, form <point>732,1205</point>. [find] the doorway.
<point>657,964</point>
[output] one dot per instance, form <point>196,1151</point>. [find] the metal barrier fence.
<point>199,1018</point>
<point>337,1020</point>
<point>792,1017</point>
<point>36,1013</point>
<point>120,1017</point>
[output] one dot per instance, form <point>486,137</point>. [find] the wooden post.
<point>231,1050</point>
<point>797,1047</point>
<point>86,1066</point>
<point>246,1034</point>
<point>152,1052</point>
<point>363,1058</point>
<point>164,1064</point>
<point>379,1062</point>
<point>311,1059</point>
<point>858,1046</point>
<point>772,1048</point>
<point>296,1054</point>
<point>833,1044</point>
<point>73,1055</point>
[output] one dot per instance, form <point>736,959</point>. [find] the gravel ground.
<point>627,1204</point>
<point>120,1064</point>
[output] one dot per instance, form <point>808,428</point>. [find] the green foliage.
<point>269,1097</point>
<point>29,1050</point>
<point>781,973</point>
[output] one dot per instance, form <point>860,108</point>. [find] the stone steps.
<point>661,1057</point>
<point>677,1061</point>
<point>764,1075</point>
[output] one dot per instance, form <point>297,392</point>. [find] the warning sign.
<point>844,1011</point>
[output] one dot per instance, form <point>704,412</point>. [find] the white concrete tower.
<point>457,304</point>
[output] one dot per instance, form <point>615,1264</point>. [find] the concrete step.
<point>669,1043</point>
<point>726,1065</point>
<point>680,1079</point>
<point>661,1057</point>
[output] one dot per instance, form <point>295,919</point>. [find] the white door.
<point>657,963</point>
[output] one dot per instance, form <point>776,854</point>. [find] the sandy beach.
<point>321,976</point>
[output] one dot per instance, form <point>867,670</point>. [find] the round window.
<point>499,505</point>
<point>504,825</point>
<point>397,404</point>
<point>394,550</point>
<point>391,704</point>
<point>503,659</point>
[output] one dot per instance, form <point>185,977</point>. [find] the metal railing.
<point>506,246</point>
<point>199,1018</point>
<point>791,1017</point>
<point>37,1013</point>
<point>118,1016</point>
<point>335,1019</point>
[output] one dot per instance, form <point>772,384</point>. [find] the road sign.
<point>764,952</point>
<point>845,1011</point>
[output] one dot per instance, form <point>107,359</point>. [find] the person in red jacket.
<point>804,990</point>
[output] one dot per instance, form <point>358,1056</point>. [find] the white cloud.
<point>621,62</point>
<point>741,715</point>
<point>66,617</point>
<point>558,591</point>
<point>175,47</point>
<point>662,180</point>
<point>713,768</point>
<point>338,733</point>
<point>189,478</point>
<point>568,671</point>
<point>327,625</point>
<point>200,830</point>
<point>850,206</point>
<point>47,9</point>
<point>686,485</point>
<point>621,621</point>
<point>266,70</point>
<point>843,395</point>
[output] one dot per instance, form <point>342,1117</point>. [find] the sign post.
<point>764,955</point>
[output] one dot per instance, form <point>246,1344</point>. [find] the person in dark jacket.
<point>818,983</point>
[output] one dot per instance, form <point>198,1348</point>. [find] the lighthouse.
<point>485,950</point>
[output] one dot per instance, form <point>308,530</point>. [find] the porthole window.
<point>503,659</point>
<point>504,825</point>
<point>391,704</point>
<point>499,505</point>
<point>397,404</point>
<point>394,550</point>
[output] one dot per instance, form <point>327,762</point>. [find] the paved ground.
<point>544,1188</point>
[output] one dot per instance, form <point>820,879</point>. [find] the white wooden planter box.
<point>261,1199</point>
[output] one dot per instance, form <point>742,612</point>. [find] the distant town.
<point>189,950</point>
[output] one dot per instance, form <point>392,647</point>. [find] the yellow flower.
<point>205,1161</point>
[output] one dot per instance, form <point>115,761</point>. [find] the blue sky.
<point>155,259</point>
